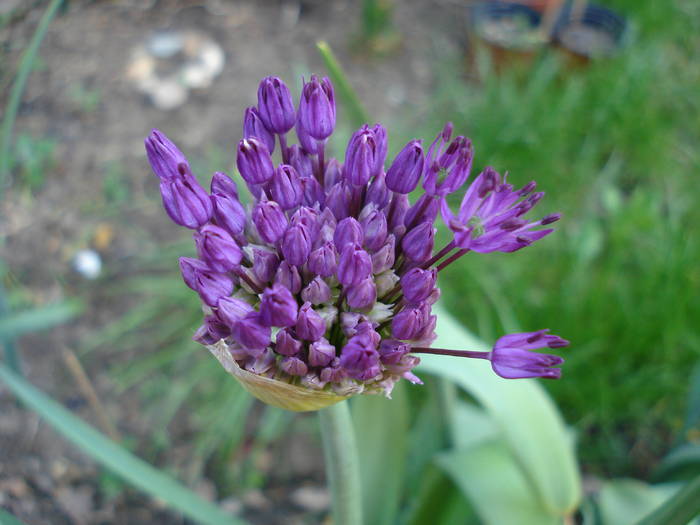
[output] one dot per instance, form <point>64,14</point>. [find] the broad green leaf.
<point>439,501</point>
<point>490,478</point>
<point>521,409</point>
<point>682,462</point>
<point>18,323</point>
<point>381,431</point>
<point>471,425</point>
<point>626,501</point>
<point>116,458</point>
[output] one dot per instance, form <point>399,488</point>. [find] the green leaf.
<point>42,318</point>
<point>439,501</point>
<point>381,432</point>
<point>625,501</point>
<point>116,458</point>
<point>347,94</point>
<point>521,409</point>
<point>682,462</point>
<point>490,478</point>
<point>679,509</point>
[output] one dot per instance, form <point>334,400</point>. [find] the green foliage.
<point>33,159</point>
<point>116,458</point>
<point>616,152</point>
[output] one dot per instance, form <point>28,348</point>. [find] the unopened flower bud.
<point>286,344</point>
<point>270,221</point>
<point>217,248</point>
<point>253,127</point>
<point>383,258</point>
<point>409,322</point>
<point>312,192</point>
<point>310,326</point>
<point>288,276</point>
<point>397,211</point>
<point>278,307</point>
<point>294,366</point>
<point>224,185</point>
<point>317,108</point>
<point>391,351</point>
<point>275,105</point>
<point>229,213</point>
<point>348,231</point>
<point>323,261</point>
<point>296,245</point>
<point>417,244</point>
<point>184,200</point>
<point>417,284</point>
<point>251,333</point>
<point>300,161</point>
<point>265,263</point>
<point>338,200</point>
<point>333,173</point>
<point>334,373</point>
<point>362,295</point>
<point>359,360</point>
<point>254,161</point>
<point>378,192</point>
<point>316,292</point>
<point>209,284</point>
<point>231,310</point>
<point>321,353</point>
<point>163,155</point>
<point>374,227</point>
<point>361,157</point>
<point>285,187</point>
<point>404,173</point>
<point>355,264</point>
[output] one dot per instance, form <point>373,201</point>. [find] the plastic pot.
<point>596,32</point>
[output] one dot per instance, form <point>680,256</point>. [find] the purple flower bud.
<point>349,321</point>
<point>224,185</point>
<point>409,322</point>
<point>327,224</point>
<point>348,231</point>
<point>310,326</point>
<point>230,310</point>
<point>309,144</point>
<point>294,366</point>
<point>512,358</point>
<point>163,156</point>
<point>338,200</point>
<point>333,173</point>
<point>417,244</point>
<point>359,360</point>
<point>211,331</point>
<point>321,353</point>
<point>549,219</point>
<point>382,146</point>
<point>296,245</point>
<point>275,105</point>
<point>363,295</point>
<point>285,344</point>
<point>270,221</point>
<point>278,307</point>
<point>383,259</point>
<point>288,276</point>
<point>209,284</point>
<point>378,193</point>
<point>317,108</point>
<point>374,226</point>
<point>254,161</point>
<point>397,211</point>
<point>216,247</point>
<point>404,173</point>
<point>184,200</point>
<point>265,264</point>
<point>418,284</point>
<point>312,192</point>
<point>323,261</point>
<point>333,373</point>
<point>391,351</point>
<point>300,161</point>
<point>253,127</point>
<point>362,157</point>
<point>229,213</point>
<point>355,264</point>
<point>308,218</point>
<point>261,362</point>
<point>285,187</point>
<point>251,333</point>
<point>424,210</point>
<point>316,292</point>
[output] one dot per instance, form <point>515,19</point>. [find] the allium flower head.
<point>323,286</point>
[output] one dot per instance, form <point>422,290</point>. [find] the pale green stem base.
<point>342,465</point>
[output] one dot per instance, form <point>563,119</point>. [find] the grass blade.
<point>117,459</point>
<point>680,509</point>
<point>16,324</point>
<point>25,67</point>
<point>349,97</point>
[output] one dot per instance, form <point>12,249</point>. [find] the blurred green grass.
<point>615,146</point>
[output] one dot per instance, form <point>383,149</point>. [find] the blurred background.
<point>599,104</point>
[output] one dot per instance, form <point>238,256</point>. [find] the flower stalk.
<point>342,470</point>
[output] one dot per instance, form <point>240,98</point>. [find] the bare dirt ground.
<point>79,97</point>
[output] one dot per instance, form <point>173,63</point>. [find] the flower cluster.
<point>327,278</point>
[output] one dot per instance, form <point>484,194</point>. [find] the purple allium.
<point>327,279</point>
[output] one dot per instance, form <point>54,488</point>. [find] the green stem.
<point>342,466</point>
